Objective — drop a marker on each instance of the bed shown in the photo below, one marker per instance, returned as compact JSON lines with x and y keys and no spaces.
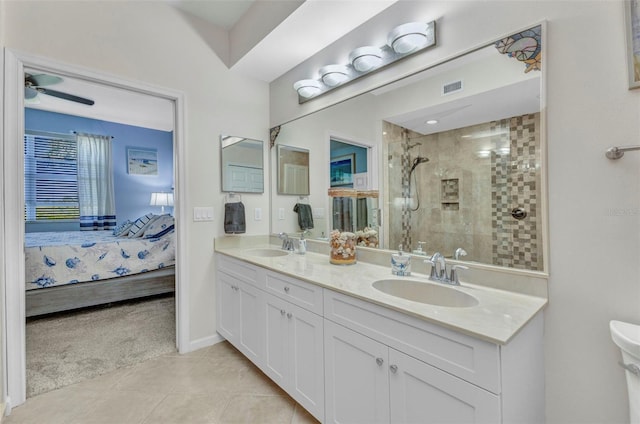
{"x":75,"y":269}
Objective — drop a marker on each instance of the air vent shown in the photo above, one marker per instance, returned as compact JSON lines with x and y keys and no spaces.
{"x":452,"y":87}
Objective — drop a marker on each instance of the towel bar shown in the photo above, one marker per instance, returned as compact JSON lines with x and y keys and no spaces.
{"x":615,"y":152}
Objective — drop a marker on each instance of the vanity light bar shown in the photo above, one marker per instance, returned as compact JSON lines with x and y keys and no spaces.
{"x":402,"y":41}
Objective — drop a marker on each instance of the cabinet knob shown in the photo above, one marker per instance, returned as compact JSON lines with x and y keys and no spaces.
{"x":286,"y":289}
{"x":282,"y":312}
{"x":379,"y":361}
{"x":289,"y":315}
{"x":393,"y":368}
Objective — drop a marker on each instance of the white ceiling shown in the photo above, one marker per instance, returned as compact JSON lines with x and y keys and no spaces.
{"x":309,"y":22}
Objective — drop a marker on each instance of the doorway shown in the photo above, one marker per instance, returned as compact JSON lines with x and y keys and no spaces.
{"x":14,"y":299}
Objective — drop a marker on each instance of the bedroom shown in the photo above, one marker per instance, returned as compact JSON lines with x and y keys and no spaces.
{"x":138,"y":263}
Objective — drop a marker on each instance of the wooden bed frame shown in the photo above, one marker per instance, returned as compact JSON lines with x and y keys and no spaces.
{"x":80,"y":295}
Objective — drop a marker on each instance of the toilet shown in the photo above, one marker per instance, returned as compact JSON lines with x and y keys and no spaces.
{"x":627,"y":337}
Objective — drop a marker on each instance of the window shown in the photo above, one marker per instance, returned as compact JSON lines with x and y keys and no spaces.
{"x":51,"y":177}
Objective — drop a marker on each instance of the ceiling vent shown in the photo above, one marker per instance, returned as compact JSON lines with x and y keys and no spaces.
{"x":452,"y":87}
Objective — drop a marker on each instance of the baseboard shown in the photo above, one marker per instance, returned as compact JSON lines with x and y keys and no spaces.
{"x":204,"y":342}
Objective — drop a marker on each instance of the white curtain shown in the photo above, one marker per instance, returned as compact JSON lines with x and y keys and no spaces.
{"x":95,"y":183}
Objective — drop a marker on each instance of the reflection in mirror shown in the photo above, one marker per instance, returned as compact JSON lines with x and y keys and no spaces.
{"x":293,"y":170}
{"x":241,"y":164}
{"x":461,"y":147}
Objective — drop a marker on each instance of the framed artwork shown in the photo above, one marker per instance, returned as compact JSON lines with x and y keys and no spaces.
{"x":632,"y":21}
{"x":142,"y":161}
{"x":342,"y":169}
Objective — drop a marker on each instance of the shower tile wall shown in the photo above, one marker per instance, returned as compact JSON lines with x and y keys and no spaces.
{"x":516,"y":184}
{"x":489,"y":186}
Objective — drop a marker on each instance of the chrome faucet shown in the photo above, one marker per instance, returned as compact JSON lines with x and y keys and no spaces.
{"x":440,"y":265}
{"x":439,"y":270}
{"x":287,"y":243}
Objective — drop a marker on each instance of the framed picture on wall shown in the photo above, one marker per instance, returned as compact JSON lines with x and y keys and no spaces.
{"x":142,"y":161}
{"x":632,"y":21}
{"x":342,"y":169}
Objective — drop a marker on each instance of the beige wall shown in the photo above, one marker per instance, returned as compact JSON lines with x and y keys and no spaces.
{"x":151,"y":42}
{"x":594,"y":203}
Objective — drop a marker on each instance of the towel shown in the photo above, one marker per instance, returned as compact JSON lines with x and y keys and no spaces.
{"x":305,"y":216}
{"x":234,"y":221}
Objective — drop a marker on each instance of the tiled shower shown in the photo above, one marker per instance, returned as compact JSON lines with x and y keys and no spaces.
{"x":480,"y":190}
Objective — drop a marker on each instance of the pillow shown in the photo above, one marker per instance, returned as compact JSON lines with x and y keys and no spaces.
{"x":122,"y":229}
{"x":139,"y":225}
{"x":164,"y":224}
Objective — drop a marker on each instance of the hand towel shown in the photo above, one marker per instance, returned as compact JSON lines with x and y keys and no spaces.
{"x":234,"y":220}
{"x":305,"y":216}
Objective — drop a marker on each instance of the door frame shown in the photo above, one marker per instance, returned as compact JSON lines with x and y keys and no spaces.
{"x":13,"y":280}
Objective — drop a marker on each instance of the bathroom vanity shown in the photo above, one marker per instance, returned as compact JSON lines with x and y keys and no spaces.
{"x":348,"y":352}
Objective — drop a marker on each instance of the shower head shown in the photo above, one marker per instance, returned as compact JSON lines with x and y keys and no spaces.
{"x":417,"y":161}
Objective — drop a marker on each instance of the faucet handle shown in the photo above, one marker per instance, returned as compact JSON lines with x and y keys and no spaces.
{"x":283,"y":236}
{"x":453,"y":277}
{"x":433,"y":275}
{"x":459,"y":252}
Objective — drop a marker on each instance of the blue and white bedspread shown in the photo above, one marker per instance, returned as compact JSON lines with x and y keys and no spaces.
{"x":55,"y":259}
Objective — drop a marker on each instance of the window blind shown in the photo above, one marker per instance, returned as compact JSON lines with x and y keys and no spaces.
{"x":51,"y":177}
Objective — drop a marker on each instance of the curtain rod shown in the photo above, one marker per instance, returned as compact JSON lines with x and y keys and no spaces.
{"x":76,"y":133}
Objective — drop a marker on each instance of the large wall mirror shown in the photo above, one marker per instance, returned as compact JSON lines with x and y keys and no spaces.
{"x":461,"y":161}
{"x":241,"y":164}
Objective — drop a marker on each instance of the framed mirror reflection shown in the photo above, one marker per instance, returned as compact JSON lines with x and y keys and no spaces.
{"x":461,"y":154}
{"x":241,"y":164}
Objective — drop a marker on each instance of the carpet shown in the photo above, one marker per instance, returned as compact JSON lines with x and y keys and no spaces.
{"x":67,"y":348}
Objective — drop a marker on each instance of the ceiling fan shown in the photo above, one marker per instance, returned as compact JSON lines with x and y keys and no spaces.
{"x":35,"y":84}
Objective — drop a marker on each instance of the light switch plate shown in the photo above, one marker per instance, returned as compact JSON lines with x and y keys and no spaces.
{"x":318,"y":212}
{"x":280,"y":214}
{"x":257,"y":214}
{"x":203,"y":214}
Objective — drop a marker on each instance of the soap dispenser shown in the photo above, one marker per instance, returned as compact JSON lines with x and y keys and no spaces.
{"x":302,"y":244}
{"x":400,"y":263}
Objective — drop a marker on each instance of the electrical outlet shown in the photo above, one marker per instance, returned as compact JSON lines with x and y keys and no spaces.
{"x":257,"y":214}
{"x":281,"y":214}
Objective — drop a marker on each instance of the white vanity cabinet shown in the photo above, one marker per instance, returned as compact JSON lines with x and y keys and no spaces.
{"x":294,"y":354}
{"x":276,"y":322}
{"x":349,"y":360}
{"x":367,"y":381}
{"x":241,"y":311}
{"x":385,"y":366}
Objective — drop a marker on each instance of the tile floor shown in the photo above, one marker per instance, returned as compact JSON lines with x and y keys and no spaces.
{"x":216,"y":385}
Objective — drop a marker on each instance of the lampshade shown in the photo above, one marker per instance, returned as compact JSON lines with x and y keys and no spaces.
{"x":307,"y":88}
{"x":366,"y":58}
{"x":161,"y":199}
{"x":408,"y":37}
{"x":333,"y":75}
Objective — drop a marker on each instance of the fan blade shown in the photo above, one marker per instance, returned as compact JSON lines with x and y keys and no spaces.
{"x":30,"y":93}
{"x":66,"y":96}
{"x":41,"y":80}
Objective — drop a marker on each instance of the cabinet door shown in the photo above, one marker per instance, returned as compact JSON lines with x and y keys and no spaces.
{"x":251,"y":341}
{"x":356,"y":377}
{"x":228,"y":308}
{"x":306,"y":358}
{"x":276,"y":337}
{"x":421,"y":393}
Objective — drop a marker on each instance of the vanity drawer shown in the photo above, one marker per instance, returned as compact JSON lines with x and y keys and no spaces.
{"x":471,"y":359}
{"x":301,"y":293}
{"x":239,"y":269}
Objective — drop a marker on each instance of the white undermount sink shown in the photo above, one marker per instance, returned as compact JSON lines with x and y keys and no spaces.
{"x":266,"y":252}
{"x":425,"y":292}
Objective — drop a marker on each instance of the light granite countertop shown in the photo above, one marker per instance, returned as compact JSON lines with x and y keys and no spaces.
{"x":497,"y":318}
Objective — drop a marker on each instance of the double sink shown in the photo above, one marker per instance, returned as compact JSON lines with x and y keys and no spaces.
{"x":420,"y":291}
